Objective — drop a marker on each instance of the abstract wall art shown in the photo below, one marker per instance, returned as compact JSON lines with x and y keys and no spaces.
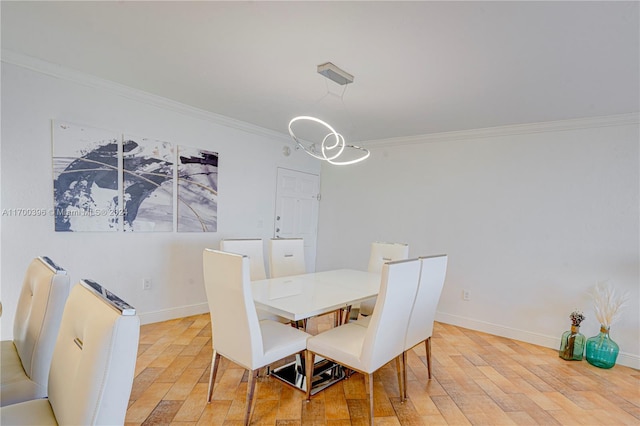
{"x":104,"y":181}
{"x":147,"y":184}
{"x":85,"y":178}
{"x":197,"y":190}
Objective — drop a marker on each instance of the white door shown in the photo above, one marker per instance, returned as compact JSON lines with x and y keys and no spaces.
{"x":297,"y":195}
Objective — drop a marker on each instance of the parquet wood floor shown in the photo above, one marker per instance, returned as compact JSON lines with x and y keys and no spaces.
{"x":478,"y":379}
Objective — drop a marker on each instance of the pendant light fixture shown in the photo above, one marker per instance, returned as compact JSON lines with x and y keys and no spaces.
{"x":333,"y":145}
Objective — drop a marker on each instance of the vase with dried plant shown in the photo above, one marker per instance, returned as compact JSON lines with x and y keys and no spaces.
{"x":572,"y":342}
{"x":601,"y":351}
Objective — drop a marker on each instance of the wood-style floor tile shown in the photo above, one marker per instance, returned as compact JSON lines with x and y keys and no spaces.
{"x":163,"y":413}
{"x":477,"y":379}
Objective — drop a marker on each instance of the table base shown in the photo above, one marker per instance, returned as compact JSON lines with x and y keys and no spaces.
{"x":325,"y":374}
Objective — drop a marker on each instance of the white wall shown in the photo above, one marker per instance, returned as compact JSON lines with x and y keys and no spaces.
{"x":530,"y":216}
{"x":119,"y":261}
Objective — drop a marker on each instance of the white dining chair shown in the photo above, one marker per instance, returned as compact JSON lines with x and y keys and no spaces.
{"x":24,"y":370}
{"x":237,"y":333}
{"x":381,"y":253}
{"x":286,"y":257}
{"x":423,"y":312}
{"x":253,"y":248}
{"x":366,"y":349}
{"x":92,"y":367}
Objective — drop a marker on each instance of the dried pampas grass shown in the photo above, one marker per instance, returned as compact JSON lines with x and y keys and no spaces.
{"x":607,"y":304}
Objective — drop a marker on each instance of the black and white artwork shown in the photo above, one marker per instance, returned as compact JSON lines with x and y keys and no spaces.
{"x":106,"y":182}
{"x":85,"y":178}
{"x":147,"y":184}
{"x":197,"y":190}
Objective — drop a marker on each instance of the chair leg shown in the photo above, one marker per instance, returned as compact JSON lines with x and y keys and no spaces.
{"x":400,"y":375}
{"x":404,"y":374}
{"x":215,"y":361}
{"x":251,"y":387}
{"x":309,"y":358}
{"x":427,"y":344}
{"x":347,"y":314}
{"x":370,"y":377}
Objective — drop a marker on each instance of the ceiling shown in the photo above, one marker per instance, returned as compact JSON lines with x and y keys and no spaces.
{"x":419,"y":67}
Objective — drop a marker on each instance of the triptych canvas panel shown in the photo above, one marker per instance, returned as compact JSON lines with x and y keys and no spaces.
{"x":147,"y":184}
{"x":106,"y":181}
{"x":197,"y":190}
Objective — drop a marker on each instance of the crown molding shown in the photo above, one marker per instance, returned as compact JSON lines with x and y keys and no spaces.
{"x":58,"y":71}
{"x":515,"y":129}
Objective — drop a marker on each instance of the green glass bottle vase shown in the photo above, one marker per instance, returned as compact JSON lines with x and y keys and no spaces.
{"x":601,"y":350}
{"x":572,"y":344}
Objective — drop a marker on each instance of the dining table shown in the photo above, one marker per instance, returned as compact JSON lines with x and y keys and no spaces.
{"x":299,"y":297}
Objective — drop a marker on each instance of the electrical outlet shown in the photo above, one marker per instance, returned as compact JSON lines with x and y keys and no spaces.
{"x":146,"y":283}
{"x":466,"y":295}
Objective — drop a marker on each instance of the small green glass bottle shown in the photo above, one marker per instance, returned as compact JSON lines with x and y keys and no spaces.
{"x":601,"y":350}
{"x":572,"y":344}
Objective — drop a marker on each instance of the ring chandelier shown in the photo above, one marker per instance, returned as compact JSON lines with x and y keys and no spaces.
{"x":332,"y":146}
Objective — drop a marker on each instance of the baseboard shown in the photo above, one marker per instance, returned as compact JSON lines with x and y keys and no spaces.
{"x":624,"y":358}
{"x":173,"y":313}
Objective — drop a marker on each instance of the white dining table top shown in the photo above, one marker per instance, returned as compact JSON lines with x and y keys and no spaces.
{"x":303,"y":296}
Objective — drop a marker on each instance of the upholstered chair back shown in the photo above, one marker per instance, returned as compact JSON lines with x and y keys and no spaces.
{"x":286,"y":257}
{"x":249,"y":247}
{"x":380,"y":254}
{"x":385,"y":336}
{"x":234,"y":321}
{"x":423,"y":312}
{"x":38,"y":313}
{"x":386,"y":252}
{"x":93,"y":362}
